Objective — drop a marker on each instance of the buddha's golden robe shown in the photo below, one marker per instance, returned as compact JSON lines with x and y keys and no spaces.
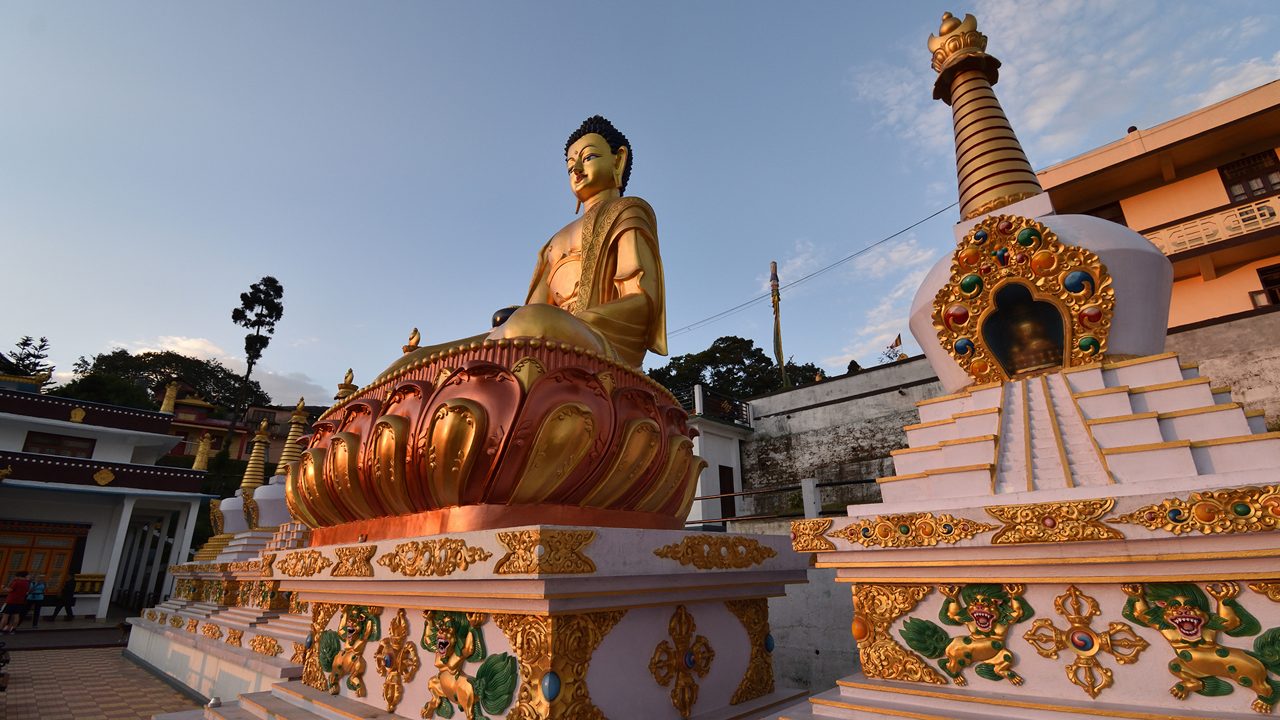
{"x":610,"y":279}
{"x":603,"y":290}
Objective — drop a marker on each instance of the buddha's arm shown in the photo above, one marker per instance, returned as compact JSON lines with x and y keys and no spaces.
{"x":540,"y":286}
{"x":626,"y":318}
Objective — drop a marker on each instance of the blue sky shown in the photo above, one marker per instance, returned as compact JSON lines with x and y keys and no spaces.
{"x":398,"y":164}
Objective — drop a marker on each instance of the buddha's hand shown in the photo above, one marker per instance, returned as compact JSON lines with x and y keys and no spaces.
{"x":501,"y":316}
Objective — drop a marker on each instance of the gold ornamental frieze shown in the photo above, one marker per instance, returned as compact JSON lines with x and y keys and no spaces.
{"x":299,"y":653}
{"x":211,"y":631}
{"x":908,"y":530}
{"x":1066,"y":521}
{"x":758,"y":679}
{"x":234,"y":637}
{"x":559,"y":644}
{"x":676,"y":663}
{"x":808,"y":535}
{"x":161,"y":618}
{"x":875,"y":608}
{"x":354,"y":561}
{"x":151,"y":615}
{"x":265,"y":566}
{"x":176,"y":621}
{"x":193,"y":624}
{"x":1224,"y":512}
{"x":245,"y":566}
{"x":397,"y":660}
{"x":265,"y":645}
{"x":717,"y":552}
{"x":1269,"y":588}
{"x":545,"y":552}
{"x":303,"y":563}
{"x":1068,"y":283}
{"x":433,"y":558}
{"x":1086,"y":670}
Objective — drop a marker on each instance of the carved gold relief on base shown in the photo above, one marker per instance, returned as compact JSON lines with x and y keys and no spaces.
{"x":211,"y":631}
{"x":1085,"y":671}
{"x":299,"y":653}
{"x":176,"y":621}
{"x":718,"y":552}
{"x":679,"y":660}
{"x":758,"y":680}
{"x":234,"y":637}
{"x":1068,"y":521}
{"x":562,"y":644}
{"x":193,"y":624}
{"x":561,"y":552}
{"x":435,"y":558}
{"x":396,"y":660}
{"x":875,"y":609}
{"x":1270,"y":588}
{"x":807,"y":535}
{"x":151,"y":615}
{"x":1226,"y":512}
{"x":265,"y":645}
{"x":359,"y":626}
{"x":921,"y":529}
{"x":312,"y":674}
{"x":354,"y":561}
{"x":303,"y":563}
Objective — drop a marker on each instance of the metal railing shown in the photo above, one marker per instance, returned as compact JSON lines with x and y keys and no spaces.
{"x":1217,"y":226}
{"x":811,"y":502}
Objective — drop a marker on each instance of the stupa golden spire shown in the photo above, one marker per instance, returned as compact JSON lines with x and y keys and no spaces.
{"x":255,"y":471}
{"x":170,"y":397}
{"x":202,"y":453}
{"x":297,"y":424}
{"x":991,"y":169}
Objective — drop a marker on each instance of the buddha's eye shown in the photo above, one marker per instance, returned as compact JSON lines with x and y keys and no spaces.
{"x":592,"y":156}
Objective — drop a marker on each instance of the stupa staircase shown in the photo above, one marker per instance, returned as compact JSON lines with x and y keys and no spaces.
{"x":1147,"y":418}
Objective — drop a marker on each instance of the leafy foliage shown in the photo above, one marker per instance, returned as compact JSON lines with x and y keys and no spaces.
{"x":109,"y":389}
{"x":925,"y":637}
{"x":732,"y":365}
{"x":260,"y":309}
{"x":149,"y":371}
{"x":496,"y":683}
{"x":31,"y":355}
{"x":330,"y":646}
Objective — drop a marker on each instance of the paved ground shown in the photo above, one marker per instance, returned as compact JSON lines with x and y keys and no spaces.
{"x":84,"y":684}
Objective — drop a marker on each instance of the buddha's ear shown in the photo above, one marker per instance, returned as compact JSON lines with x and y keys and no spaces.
{"x":620,"y":164}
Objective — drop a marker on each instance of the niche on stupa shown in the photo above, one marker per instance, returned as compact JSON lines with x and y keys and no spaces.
{"x":1024,"y":334}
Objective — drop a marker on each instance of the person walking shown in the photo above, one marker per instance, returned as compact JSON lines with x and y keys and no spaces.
{"x":35,"y":599}
{"x":66,"y":600}
{"x":15,"y":602}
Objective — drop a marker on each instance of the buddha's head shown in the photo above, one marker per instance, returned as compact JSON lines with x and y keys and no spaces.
{"x":598,"y":158}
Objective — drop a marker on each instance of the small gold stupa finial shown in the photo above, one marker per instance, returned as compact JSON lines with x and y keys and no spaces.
{"x":347,"y":386}
{"x":255,"y":473}
{"x":414,"y":339}
{"x":170,"y":397}
{"x":991,"y":169}
{"x":292,"y":452}
{"x":202,"y":453}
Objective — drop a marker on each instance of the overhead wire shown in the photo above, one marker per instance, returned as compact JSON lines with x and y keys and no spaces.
{"x":748,"y":303}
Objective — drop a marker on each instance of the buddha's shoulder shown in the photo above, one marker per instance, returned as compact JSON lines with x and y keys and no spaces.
{"x":630,"y":210}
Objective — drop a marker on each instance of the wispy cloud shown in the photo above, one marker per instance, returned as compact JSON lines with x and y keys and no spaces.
{"x":1233,"y":79}
{"x":894,"y":258}
{"x":196,"y":347}
{"x":883,"y":323}
{"x":804,"y":258}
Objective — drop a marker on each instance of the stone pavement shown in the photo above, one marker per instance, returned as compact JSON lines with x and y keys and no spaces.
{"x":84,"y":684}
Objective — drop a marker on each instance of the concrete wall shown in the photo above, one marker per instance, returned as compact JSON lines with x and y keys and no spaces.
{"x":1175,"y":201}
{"x":839,"y":429}
{"x":1196,"y":299}
{"x":1244,"y":354}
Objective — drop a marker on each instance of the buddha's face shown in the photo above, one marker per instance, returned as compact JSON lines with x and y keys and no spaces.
{"x":593,"y":166}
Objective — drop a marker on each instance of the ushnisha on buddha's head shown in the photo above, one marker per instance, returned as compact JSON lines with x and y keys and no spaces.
{"x":598,"y":157}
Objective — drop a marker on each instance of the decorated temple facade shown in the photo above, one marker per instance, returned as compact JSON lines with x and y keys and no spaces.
{"x":1082,"y":524}
{"x":83,"y":502}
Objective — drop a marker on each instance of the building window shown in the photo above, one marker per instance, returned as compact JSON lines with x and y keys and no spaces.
{"x":49,"y":444}
{"x":1252,"y":177}
{"x":1270,"y":293}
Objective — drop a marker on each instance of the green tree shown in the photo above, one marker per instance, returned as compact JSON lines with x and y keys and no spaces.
{"x":731,"y":365}
{"x":260,"y":309}
{"x":118,"y":376}
{"x":31,"y":356}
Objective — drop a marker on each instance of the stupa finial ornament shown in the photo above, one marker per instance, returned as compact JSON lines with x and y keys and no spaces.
{"x":414,"y":339}
{"x":347,"y":386}
{"x":991,"y":169}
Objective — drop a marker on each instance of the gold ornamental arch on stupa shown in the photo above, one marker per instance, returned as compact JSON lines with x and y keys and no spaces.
{"x":1008,"y":250}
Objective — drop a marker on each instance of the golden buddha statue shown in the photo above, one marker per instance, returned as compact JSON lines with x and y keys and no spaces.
{"x":1032,"y":348}
{"x":598,"y":280}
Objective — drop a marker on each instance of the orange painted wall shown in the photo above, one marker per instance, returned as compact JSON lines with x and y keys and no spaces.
{"x":1175,"y":201}
{"x":1194,"y":299}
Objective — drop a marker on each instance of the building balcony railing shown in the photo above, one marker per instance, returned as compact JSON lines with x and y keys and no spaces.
{"x":1217,"y":226}
{"x":81,"y":471}
{"x":701,"y":400}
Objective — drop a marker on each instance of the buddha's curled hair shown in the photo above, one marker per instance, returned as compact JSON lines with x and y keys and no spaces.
{"x":605,"y":129}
